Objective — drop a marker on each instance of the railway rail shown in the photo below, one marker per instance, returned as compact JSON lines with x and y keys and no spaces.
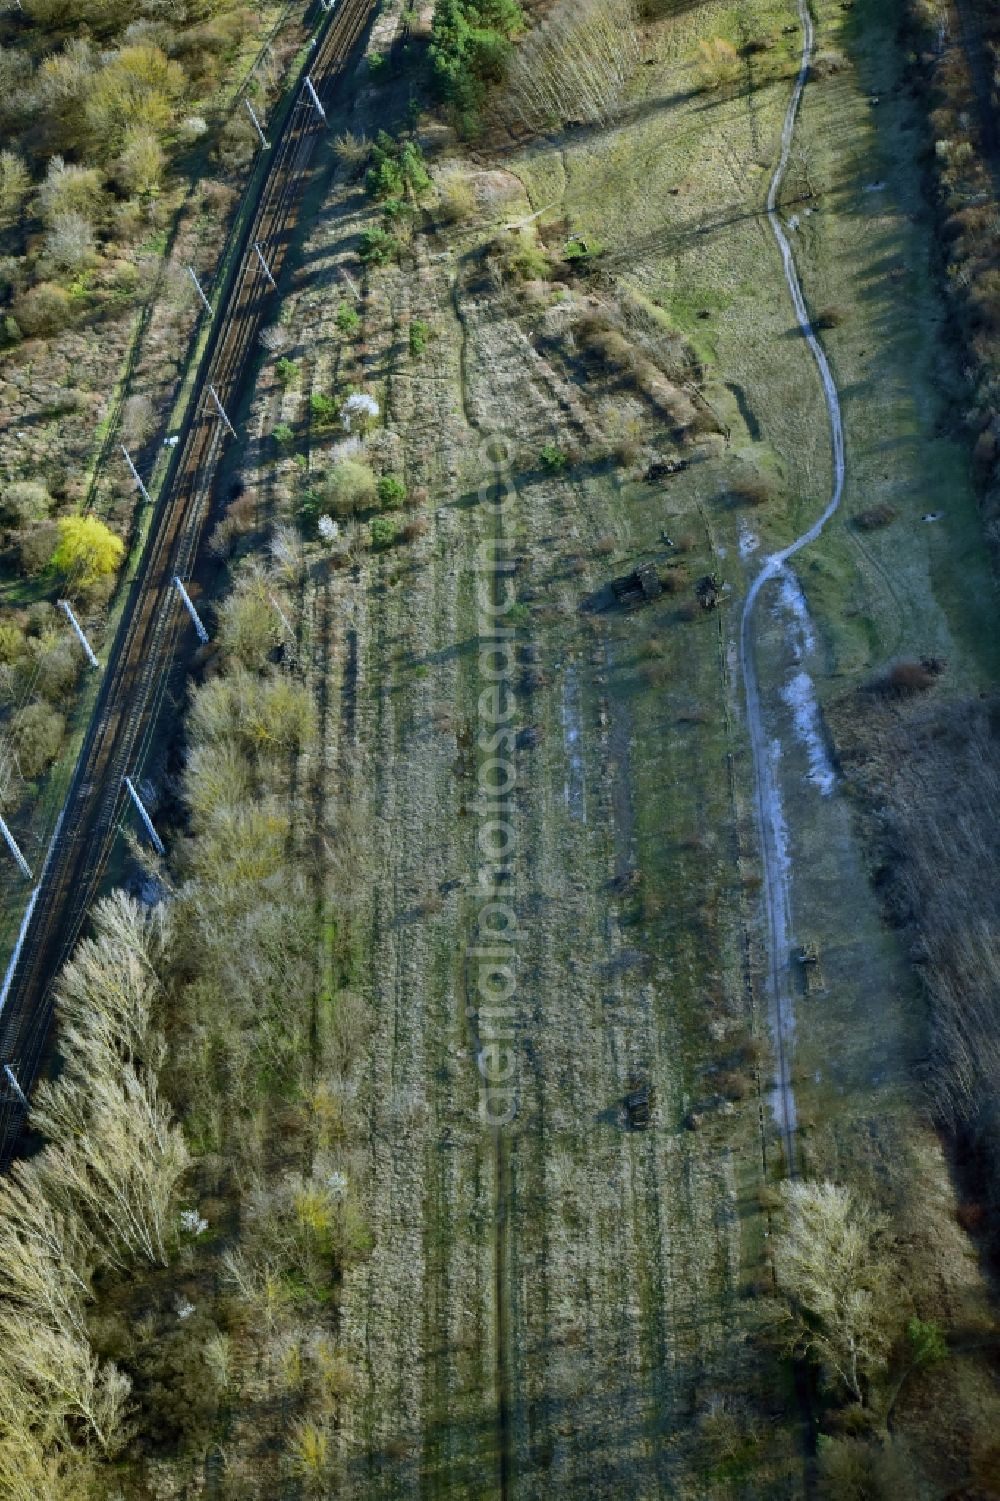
{"x":131,"y":697}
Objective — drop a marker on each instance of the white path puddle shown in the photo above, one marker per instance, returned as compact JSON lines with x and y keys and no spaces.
{"x":798,"y":691}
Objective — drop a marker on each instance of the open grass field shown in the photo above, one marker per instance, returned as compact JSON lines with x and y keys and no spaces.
{"x":550,"y":1302}
{"x":564,"y":1301}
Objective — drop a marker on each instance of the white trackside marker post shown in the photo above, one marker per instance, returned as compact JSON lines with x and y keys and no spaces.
{"x":135,"y":475}
{"x":220,"y":409}
{"x":189,"y":606}
{"x":157,"y":842}
{"x":260,"y":129}
{"x":263,"y":263}
{"x":12,"y":1081}
{"x":22,"y":863}
{"x":199,"y":290}
{"x":315,"y":99}
{"x":67,"y":610}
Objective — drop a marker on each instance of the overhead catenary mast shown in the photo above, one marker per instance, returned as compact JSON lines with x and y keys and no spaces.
{"x":67,"y":610}
{"x":315,"y":98}
{"x":263,"y":263}
{"x":135,"y":474}
{"x":189,"y":606}
{"x":12,"y":845}
{"x":12,"y":1081}
{"x":155,"y":839}
{"x":221,"y":409}
{"x":200,"y":290}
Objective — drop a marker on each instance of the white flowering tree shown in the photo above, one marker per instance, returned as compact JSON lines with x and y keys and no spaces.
{"x":359,"y":412}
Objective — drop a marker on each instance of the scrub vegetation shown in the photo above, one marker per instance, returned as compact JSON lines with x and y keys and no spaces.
{"x":125,"y":140}
{"x":269,"y":1245}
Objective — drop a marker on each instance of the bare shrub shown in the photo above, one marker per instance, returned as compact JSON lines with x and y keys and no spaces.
{"x":946,"y":773}
{"x":718,"y":63}
{"x":96,"y":1195}
{"x":704,"y":423}
{"x":15,"y":184}
{"x":56,"y":666}
{"x":733,"y":1084}
{"x":257,"y":713}
{"x":141,"y":163}
{"x":352,"y":150}
{"x":827,"y":62}
{"x":36,"y":734}
{"x":275,"y":338}
{"x":749,"y":492}
{"x":909,"y":676}
{"x":674,"y":403}
{"x":249,"y":625}
{"x":68,"y":190}
{"x":237,"y":142}
{"x":138,"y":419}
{"x":415,"y":529}
{"x":876,"y":516}
{"x":24,"y":501}
{"x":855,"y":1469}
{"x":43,"y":310}
{"x":456,"y":199}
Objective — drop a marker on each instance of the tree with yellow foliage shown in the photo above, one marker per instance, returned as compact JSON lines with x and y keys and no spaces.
{"x":87,"y":553}
{"x":137,"y":89}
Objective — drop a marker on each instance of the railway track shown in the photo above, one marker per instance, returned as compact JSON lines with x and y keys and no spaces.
{"x":131,"y":698}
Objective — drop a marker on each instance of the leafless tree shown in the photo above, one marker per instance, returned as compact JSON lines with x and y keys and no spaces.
{"x":834,"y":1264}
{"x":574,"y":65}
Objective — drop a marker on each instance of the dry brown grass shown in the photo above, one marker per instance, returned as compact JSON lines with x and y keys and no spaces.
{"x":749,"y":492}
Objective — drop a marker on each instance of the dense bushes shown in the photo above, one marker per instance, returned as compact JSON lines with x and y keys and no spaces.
{"x":261,"y":1031}
{"x":349,"y":487}
{"x":92,"y":109}
{"x":97,"y":1196}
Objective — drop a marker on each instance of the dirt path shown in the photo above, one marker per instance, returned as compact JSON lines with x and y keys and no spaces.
{"x":770,"y":820}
